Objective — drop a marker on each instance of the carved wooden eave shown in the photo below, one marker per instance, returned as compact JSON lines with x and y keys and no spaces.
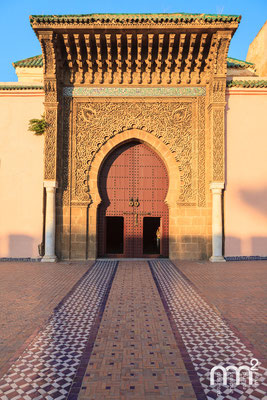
{"x":155,"y":49}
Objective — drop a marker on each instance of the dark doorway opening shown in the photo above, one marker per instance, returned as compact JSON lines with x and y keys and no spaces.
{"x":151,"y":244}
{"x":114,"y":235}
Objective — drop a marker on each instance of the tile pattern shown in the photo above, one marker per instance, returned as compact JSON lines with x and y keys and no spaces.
{"x":49,"y":366}
{"x":204,"y":336}
{"x":29,"y":292}
{"x":135,"y":355}
{"x":238,"y":290}
{"x":134,"y":92}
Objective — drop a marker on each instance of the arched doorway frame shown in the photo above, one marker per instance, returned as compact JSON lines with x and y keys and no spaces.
{"x":164,"y":153}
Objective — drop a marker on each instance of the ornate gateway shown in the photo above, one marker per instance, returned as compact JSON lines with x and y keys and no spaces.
{"x":158,"y":79}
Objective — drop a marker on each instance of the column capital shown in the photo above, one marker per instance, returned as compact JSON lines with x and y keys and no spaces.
{"x":216,"y":185}
{"x":50,"y":184}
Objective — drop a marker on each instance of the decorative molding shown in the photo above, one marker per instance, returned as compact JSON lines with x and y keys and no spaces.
{"x":66,"y":150}
{"x":47,"y":41}
{"x":216,"y":185}
{"x":50,"y":144}
{"x":51,"y":184}
{"x":218,"y":144}
{"x":201,"y":152}
{"x":189,"y":91}
{"x":96,"y":121}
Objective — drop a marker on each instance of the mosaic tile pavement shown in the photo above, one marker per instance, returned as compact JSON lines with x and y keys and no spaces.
{"x":133,"y":330}
{"x":205,"y":338}
{"x":29,"y":292}
{"x":53,"y":364}
{"x":238,"y":290}
{"x":135,"y":355}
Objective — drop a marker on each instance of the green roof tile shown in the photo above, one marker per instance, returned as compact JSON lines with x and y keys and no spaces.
{"x":235,"y":63}
{"x":32,"y":62}
{"x":247,"y":84}
{"x":21,"y":87}
{"x":130,"y":18}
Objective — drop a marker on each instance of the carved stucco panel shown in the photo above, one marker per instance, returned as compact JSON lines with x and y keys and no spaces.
{"x":218,"y":144}
{"x":50,"y":144}
{"x":95,"y":121}
{"x":201,"y":153}
{"x":66,"y":150}
{"x":48,"y":50}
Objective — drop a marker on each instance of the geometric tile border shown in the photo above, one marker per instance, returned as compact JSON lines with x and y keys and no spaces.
{"x":133,"y":92}
{"x":53,"y":365}
{"x":135,"y":354}
{"x":205,"y":339}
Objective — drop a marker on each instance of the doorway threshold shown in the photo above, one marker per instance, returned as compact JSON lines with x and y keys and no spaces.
{"x":131,"y":259}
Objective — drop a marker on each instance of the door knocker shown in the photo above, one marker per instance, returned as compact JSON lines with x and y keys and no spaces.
{"x":136,"y":203}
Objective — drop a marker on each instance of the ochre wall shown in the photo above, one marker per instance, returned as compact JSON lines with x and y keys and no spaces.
{"x":257,"y":52}
{"x":246,"y":173}
{"x":21,"y":176}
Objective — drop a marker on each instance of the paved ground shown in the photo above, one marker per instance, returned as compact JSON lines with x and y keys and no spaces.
{"x":28,"y":294}
{"x":131,"y":355}
{"x":238,"y":289}
{"x":135,"y":354}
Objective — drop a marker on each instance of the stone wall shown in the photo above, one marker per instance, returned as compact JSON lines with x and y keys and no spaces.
{"x":173,"y":127}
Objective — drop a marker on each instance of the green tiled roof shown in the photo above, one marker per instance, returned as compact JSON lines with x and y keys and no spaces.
{"x":132,"y":18}
{"x":247,"y":84}
{"x":21,"y":87}
{"x":235,"y":63}
{"x":37,"y":61}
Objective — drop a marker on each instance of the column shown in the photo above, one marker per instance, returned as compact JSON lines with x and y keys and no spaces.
{"x":216,"y":188}
{"x":50,"y":221}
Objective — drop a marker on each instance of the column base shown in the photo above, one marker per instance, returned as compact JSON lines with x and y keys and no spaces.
{"x":49,"y":259}
{"x":217,"y":259}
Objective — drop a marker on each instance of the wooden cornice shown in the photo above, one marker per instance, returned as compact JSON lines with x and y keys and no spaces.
{"x":139,"y":56}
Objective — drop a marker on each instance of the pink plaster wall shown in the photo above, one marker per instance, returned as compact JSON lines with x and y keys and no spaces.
{"x":246,"y":173}
{"x":21,"y":176}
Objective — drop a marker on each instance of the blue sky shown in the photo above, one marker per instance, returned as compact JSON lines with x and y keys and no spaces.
{"x":18,"y":40}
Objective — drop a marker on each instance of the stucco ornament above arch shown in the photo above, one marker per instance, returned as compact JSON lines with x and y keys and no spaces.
{"x":145,"y":137}
{"x":98,"y":121}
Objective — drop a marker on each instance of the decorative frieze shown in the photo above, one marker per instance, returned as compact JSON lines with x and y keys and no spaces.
{"x":190,"y":91}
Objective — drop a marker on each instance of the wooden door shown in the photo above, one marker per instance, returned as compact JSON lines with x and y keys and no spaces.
{"x":133,"y":185}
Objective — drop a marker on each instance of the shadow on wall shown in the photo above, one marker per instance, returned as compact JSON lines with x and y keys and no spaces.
{"x":248,"y":247}
{"x":246,"y":244}
{"x":257,"y":199}
{"x":259,"y":246}
{"x":20,"y":246}
{"x":232,"y":246}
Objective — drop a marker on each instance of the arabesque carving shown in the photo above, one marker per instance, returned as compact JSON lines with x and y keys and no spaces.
{"x":48,"y":49}
{"x":218,"y":145}
{"x":97,"y":121}
{"x":50,"y":144}
{"x":201,"y":153}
